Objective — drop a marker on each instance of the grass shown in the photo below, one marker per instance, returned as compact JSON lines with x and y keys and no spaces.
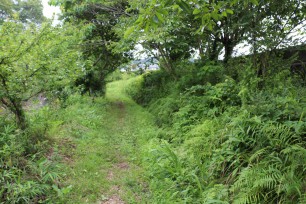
{"x":102,"y":145}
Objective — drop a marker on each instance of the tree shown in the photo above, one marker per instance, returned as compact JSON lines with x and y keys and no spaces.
{"x":24,"y":10}
{"x":6,"y":9}
{"x":252,"y":21}
{"x":164,"y":31}
{"x":34,"y":60}
{"x":222,"y":24}
{"x":30,"y":11}
{"x":274,"y":23}
{"x":99,"y":18}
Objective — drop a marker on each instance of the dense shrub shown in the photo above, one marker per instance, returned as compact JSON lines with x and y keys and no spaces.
{"x":191,"y":74}
{"x":226,"y":140}
{"x":154,"y":85}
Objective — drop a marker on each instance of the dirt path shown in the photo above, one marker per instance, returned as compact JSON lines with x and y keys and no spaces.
{"x":108,"y":136}
{"x":121,"y":167}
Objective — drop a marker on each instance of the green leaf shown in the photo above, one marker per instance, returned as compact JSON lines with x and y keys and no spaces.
{"x":215,"y":16}
{"x":230,"y":11}
{"x":196,"y":11}
{"x":160,"y":17}
{"x":184,"y":6}
{"x":129,"y":31}
{"x":254,"y":2}
{"x":209,"y":26}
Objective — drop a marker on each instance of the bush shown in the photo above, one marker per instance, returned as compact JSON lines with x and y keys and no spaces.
{"x":226,"y":140}
{"x":154,"y":85}
{"x":134,"y":87}
{"x":193,"y":75}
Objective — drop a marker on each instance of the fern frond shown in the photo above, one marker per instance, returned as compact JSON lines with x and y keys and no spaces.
{"x":257,"y":154}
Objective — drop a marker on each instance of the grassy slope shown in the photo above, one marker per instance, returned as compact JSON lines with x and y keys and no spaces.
{"x":108,"y":135}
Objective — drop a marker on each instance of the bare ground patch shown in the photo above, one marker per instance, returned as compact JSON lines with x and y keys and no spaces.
{"x":113,"y":200}
{"x":114,"y":173}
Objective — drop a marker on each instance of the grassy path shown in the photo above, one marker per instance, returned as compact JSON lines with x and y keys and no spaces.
{"x":106,"y":137}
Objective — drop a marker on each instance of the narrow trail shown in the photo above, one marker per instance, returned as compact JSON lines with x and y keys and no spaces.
{"x":105,"y":165}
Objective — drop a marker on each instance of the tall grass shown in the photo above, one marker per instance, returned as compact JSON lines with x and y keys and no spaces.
{"x":29,"y":165}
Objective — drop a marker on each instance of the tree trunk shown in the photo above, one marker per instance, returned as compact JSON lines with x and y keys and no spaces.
{"x":229,"y":48}
{"x":20,"y":118}
{"x":15,"y":107}
{"x":213,"y":55}
{"x":200,"y":48}
{"x":167,"y":62}
{"x":19,"y":114}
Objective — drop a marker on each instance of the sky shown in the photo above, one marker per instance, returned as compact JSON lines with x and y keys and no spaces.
{"x":50,"y":10}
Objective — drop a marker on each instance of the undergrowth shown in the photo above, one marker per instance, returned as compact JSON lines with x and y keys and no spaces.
{"x":229,"y":138}
{"x":29,"y":161}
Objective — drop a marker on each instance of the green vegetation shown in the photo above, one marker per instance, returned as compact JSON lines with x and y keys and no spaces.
{"x":29,"y":168}
{"x":109,"y":135}
{"x":226,"y":141}
{"x":74,"y":128}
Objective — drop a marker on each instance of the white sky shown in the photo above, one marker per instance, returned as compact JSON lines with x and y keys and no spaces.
{"x":50,"y":10}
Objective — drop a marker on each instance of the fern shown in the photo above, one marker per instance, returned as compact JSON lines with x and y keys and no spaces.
{"x":273,"y":171}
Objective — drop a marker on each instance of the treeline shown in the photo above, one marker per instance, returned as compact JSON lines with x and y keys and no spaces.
{"x":174,"y":30}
